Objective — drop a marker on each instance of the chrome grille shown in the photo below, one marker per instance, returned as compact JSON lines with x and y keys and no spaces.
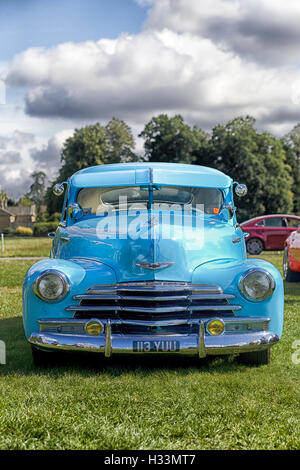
{"x":153,"y":301}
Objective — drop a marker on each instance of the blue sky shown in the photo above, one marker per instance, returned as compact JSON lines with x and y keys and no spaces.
{"x":45,"y":23}
{"x":66,"y":64}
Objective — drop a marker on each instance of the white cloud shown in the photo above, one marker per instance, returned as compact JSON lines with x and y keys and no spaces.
{"x":209,"y":61}
{"x":48,"y":157}
{"x":15,"y":162}
{"x":265,"y":31}
{"x":21,"y":154}
{"x":136,"y":77}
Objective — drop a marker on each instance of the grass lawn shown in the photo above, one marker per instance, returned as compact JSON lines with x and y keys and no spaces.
{"x":95,"y":404}
{"x":35,"y":247}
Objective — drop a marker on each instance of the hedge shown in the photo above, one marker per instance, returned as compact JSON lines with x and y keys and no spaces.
{"x":24,"y":231}
{"x":43,"y":228}
{"x":9,"y":232}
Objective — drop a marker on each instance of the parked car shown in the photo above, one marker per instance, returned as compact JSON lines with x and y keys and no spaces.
{"x":268,"y":232}
{"x":291,"y":258}
{"x":149,"y":259}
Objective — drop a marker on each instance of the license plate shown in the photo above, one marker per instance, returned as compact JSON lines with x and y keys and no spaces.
{"x":156,"y":346}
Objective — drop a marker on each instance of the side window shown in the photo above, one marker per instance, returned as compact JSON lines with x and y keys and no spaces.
{"x":293,"y":222}
{"x":261,"y":223}
{"x":275,"y":222}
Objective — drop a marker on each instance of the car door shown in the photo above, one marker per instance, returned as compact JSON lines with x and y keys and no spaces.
{"x":276,"y":232}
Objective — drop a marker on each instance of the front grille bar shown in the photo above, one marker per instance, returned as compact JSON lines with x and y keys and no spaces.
{"x":156,"y":287}
{"x":196,"y":308}
{"x":46,"y":324}
{"x":154,"y":298}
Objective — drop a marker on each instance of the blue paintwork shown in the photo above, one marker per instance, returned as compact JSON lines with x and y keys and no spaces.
{"x":87,"y":260}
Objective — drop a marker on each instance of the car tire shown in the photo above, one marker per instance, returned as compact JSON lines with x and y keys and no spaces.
{"x":257,"y":358}
{"x":254,"y":246}
{"x":41,"y":358}
{"x":288,"y":274}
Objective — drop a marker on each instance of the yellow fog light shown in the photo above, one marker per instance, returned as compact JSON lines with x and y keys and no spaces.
{"x":94,"y":328}
{"x":215,"y":327}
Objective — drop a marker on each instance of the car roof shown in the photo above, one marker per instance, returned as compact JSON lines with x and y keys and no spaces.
{"x":270,"y":216}
{"x":131,"y":174}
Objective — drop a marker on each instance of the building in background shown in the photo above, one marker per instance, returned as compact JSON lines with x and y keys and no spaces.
{"x":7,"y":219}
{"x":24,"y":216}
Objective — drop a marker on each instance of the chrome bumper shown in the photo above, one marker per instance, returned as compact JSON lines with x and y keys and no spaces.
{"x":200,"y":345}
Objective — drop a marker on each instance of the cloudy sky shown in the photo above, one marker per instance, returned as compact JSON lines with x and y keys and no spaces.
{"x":68,"y":63}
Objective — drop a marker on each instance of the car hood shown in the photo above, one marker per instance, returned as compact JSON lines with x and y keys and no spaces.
{"x":154,"y":251}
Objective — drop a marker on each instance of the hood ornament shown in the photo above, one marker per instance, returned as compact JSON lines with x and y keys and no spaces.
{"x":153,"y":266}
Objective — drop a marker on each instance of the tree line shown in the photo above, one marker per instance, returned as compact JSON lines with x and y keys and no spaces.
{"x":270,"y":166}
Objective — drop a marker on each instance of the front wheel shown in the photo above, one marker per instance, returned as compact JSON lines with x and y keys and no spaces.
{"x":288,"y":274}
{"x":254,"y":246}
{"x":258,"y":358}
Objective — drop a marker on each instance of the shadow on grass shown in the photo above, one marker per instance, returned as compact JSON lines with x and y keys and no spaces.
{"x":19,"y":360}
{"x":292,"y":288}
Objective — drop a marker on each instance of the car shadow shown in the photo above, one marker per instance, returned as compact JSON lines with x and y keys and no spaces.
{"x":292,"y":288}
{"x":19,"y":360}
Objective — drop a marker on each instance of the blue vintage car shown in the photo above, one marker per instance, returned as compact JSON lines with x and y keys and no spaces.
{"x":149,"y":259}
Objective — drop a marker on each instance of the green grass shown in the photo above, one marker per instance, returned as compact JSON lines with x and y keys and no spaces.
{"x":90,"y":403}
{"x":27,"y":247}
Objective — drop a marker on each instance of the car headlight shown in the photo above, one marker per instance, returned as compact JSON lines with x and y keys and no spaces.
{"x":51,"y":286}
{"x":257,"y":285}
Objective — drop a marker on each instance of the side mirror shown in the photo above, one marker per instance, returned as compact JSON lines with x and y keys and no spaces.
{"x":229,"y":210}
{"x":241,"y":190}
{"x":58,"y":189}
{"x":74,"y":211}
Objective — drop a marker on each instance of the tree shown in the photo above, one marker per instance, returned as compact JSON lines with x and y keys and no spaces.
{"x":86,"y":147}
{"x":291,"y":144}
{"x":37,"y":190}
{"x":89,"y":146}
{"x":25,"y":201}
{"x":259,"y":160}
{"x":171,"y":140}
{"x":119,"y":142}
{"x":3,"y":200}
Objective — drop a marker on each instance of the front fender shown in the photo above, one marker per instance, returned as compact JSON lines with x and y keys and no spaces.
{"x":81,"y":273}
{"x":227,"y":273}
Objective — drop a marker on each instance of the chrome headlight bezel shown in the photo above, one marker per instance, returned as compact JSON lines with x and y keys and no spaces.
{"x":63,"y":279}
{"x":271,"y":280}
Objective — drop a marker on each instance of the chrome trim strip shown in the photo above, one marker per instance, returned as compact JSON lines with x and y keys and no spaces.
{"x":87,"y":308}
{"x":211,"y":296}
{"x":153,"y":298}
{"x":152,"y":286}
{"x":203,"y":308}
{"x":228,"y":321}
{"x":194,"y":308}
{"x":96,"y":297}
{"x":193,"y":345}
{"x":117,"y":308}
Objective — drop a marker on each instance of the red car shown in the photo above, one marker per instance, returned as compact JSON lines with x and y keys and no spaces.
{"x":291,"y":259}
{"x":269,"y":232}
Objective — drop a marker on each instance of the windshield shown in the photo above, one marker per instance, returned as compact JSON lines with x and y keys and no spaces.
{"x":99,"y":200}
